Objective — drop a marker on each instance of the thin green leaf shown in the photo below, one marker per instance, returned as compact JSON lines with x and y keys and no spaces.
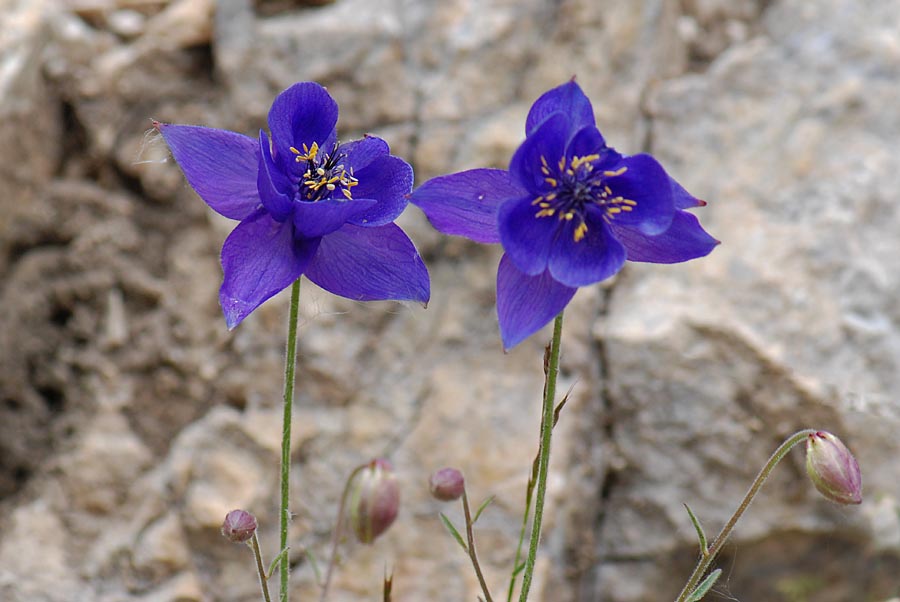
{"x":519,"y":569}
{"x":704,"y":547}
{"x":454,"y":532}
{"x":704,"y":587}
{"x":274,"y":562}
{"x":481,"y":508}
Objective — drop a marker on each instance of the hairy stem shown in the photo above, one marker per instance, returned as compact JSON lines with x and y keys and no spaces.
{"x":338,"y":526}
{"x":470,"y":536}
{"x":263,"y":578}
{"x":290,"y":365}
{"x":544,"y":460}
{"x":518,"y":558}
{"x":709,"y":555}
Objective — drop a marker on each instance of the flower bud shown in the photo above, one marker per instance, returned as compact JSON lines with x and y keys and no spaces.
{"x":374,"y":500}
{"x":833,"y":469}
{"x":447,"y":484}
{"x":239,"y":526}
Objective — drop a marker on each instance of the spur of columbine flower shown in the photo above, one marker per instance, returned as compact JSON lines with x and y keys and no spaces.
{"x":568,"y":213}
{"x":306,"y":203}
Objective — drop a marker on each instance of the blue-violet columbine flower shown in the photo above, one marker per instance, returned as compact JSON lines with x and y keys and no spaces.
{"x":568,"y":213}
{"x":306,"y":204}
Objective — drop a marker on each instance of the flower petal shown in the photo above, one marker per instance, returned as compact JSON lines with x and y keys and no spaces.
{"x":313,"y":220}
{"x":526,"y":238}
{"x":684,"y":240}
{"x":645,"y":182}
{"x":587,"y":141}
{"x":388,"y":180}
{"x":369,"y":264}
{"x":359,"y":153}
{"x":302,"y":114}
{"x":271,"y":182}
{"x":466,"y":203}
{"x":593,"y":258}
{"x":259,"y":258}
{"x":546,"y":144}
{"x":567,"y":99}
{"x":683,"y":199}
{"x":220,"y":165}
{"x":526,"y":303}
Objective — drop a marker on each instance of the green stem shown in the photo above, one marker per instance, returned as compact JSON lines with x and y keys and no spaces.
{"x":473,"y":555}
{"x":290,"y":364}
{"x":544,"y":462}
{"x":263,"y":583}
{"x":338,"y":526}
{"x":518,"y":558}
{"x":709,"y":555}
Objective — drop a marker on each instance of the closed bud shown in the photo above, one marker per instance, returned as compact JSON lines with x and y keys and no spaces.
{"x":447,"y":484}
{"x":374,"y":500}
{"x":239,"y":526}
{"x":833,"y":469}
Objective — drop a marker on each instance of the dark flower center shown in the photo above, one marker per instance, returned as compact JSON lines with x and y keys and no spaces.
{"x":324,"y":173}
{"x":575,"y":188}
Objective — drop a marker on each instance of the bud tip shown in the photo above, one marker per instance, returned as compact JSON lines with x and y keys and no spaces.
{"x":833,"y":469}
{"x":239,"y":526}
{"x":447,"y":484}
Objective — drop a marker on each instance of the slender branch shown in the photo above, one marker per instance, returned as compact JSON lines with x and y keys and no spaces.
{"x":544,"y":463}
{"x":336,"y":536}
{"x":708,"y":556}
{"x":290,"y":364}
{"x":263,"y":578}
{"x":470,"y":535}
{"x":518,"y":558}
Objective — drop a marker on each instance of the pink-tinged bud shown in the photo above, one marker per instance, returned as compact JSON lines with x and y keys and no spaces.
{"x":833,"y":469}
{"x":447,"y":484}
{"x":239,"y":526}
{"x":374,"y":500}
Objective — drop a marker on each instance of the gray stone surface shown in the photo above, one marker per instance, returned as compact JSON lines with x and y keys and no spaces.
{"x":131,"y":421}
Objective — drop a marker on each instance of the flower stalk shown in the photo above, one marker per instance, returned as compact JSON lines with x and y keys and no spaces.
{"x":708,"y":555}
{"x":336,"y":536}
{"x":473,"y":555}
{"x":260,"y":569}
{"x":290,"y":365}
{"x":373,"y":494}
{"x":544,"y":458}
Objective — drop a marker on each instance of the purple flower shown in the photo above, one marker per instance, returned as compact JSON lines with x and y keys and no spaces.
{"x":306,"y":203}
{"x":568,"y":213}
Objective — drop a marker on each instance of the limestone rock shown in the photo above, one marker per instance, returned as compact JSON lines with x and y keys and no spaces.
{"x":131,"y":420}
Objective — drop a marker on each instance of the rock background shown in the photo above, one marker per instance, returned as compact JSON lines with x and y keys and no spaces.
{"x":131,"y":421}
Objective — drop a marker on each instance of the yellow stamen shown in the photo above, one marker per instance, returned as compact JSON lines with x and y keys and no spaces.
{"x":580,"y":231}
{"x":308,"y":154}
{"x":579,"y":161}
{"x":618,"y":172}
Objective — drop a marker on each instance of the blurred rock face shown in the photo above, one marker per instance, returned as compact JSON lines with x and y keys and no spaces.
{"x":131,"y":421}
